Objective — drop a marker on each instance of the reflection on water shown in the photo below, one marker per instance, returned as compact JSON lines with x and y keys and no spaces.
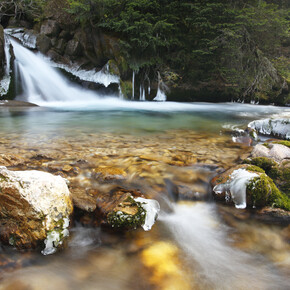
{"x":168,"y":154}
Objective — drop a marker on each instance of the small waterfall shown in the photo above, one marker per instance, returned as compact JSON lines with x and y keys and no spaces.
{"x":160,"y":96}
{"x":40,"y":82}
{"x":5,"y":82}
{"x":203,"y":238}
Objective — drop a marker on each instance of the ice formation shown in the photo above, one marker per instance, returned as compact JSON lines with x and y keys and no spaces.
{"x":152,"y":209}
{"x":277,"y":127}
{"x":236,"y":186}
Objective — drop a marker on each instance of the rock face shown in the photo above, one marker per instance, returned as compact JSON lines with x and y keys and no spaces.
{"x":2,"y":54}
{"x":34,"y":206}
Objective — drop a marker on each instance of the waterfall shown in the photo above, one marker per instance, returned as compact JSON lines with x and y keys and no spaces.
{"x":5,"y":82}
{"x":204,"y":241}
{"x":40,"y":82}
{"x":142,"y":94}
{"x":160,"y":96}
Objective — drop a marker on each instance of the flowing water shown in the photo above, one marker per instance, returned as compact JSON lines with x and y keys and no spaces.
{"x":157,"y":147}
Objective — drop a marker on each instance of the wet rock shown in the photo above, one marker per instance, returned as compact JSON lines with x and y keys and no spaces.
{"x":2,"y":53}
{"x":61,"y":45}
{"x":50,"y":28}
{"x":104,"y":174}
{"x":249,"y":186}
{"x":34,"y":206}
{"x":12,"y":103}
{"x":272,"y":127}
{"x":278,"y":152}
{"x":43,"y":43}
{"x":10,"y":160}
{"x":73,"y":48}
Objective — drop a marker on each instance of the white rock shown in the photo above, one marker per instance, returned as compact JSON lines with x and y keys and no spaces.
{"x":45,"y":204}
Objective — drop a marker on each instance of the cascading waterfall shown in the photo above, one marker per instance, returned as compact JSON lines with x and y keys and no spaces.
{"x":5,"y":82}
{"x":203,"y":239}
{"x":42,"y":83}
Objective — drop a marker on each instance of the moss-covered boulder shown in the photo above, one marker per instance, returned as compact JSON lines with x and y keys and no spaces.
{"x":248,"y":186}
{"x":35,"y":206}
{"x":279,"y":172}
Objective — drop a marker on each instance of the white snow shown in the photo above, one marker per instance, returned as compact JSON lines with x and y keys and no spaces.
{"x":152,"y":209}
{"x":237,"y":186}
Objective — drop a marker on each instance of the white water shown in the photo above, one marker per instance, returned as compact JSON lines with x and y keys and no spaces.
{"x":160,"y":96}
{"x":42,"y":83}
{"x":5,"y":82}
{"x":203,"y":239}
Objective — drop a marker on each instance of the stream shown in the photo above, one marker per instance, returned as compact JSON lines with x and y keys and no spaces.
{"x":157,"y":147}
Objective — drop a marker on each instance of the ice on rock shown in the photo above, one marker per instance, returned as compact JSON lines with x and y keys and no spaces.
{"x":152,"y":209}
{"x":237,"y":186}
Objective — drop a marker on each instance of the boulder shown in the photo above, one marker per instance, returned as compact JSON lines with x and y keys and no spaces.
{"x":50,"y":28}
{"x":248,"y":186}
{"x":73,"y":48}
{"x":118,"y":208}
{"x":35,"y":206}
{"x":43,"y":43}
{"x":277,"y":152}
{"x":279,"y":127}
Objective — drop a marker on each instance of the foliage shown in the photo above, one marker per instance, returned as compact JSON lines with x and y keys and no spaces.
{"x":30,"y":9}
{"x":198,"y":38}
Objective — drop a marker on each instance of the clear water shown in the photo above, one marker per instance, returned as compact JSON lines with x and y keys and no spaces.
{"x":193,"y":245}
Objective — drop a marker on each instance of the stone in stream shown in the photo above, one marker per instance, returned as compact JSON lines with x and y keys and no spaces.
{"x":119,"y":208}
{"x":249,"y":186}
{"x":35,"y":206}
{"x":279,"y":127}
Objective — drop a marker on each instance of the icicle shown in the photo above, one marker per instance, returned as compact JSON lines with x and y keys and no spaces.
{"x":133,"y":85}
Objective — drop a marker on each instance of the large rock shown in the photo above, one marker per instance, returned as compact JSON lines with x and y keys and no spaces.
{"x":73,"y":48}
{"x":43,"y":43}
{"x":249,"y":186}
{"x":34,"y":206}
{"x":279,"y":127}
{"x":2,"y":53}
{"x":50,"y":28}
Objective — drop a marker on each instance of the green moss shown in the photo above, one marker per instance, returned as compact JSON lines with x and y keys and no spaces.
{"x":283,"y":142}
{"x":121,"y":219}
{"x":3,"y":178}
{"x":263,"y":162}
{"x":262,"y":191}
{"x":255,"y":168}
{"x":266,"y":145}
{"x":126,"y":88}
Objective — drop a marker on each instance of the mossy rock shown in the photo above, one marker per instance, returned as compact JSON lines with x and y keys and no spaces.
{"x":126,"y":88}
{"x":279,"y":173}
{"x":129,"y":215}
{"x":263,"y":162}
{"x":283,"y":142}
{"x":262,"y":191}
